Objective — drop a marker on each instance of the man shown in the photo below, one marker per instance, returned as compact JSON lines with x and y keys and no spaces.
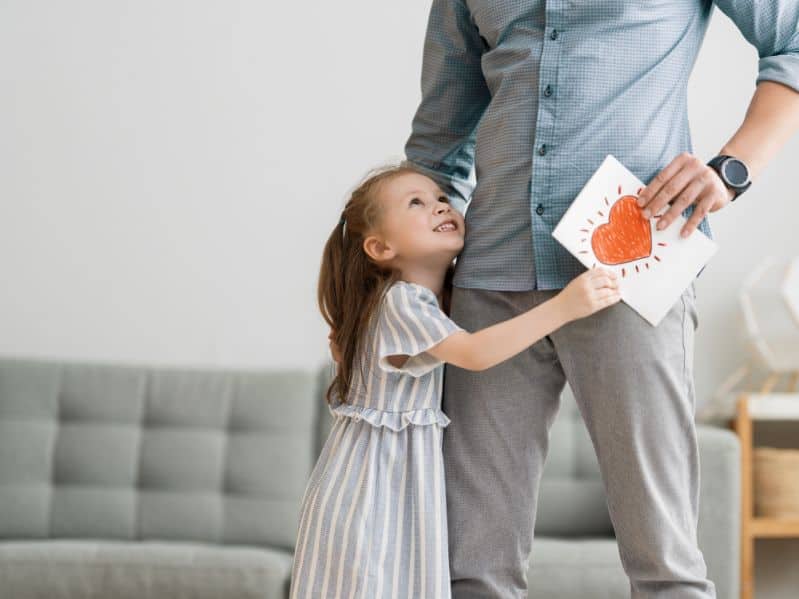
{"x":534,"y":94}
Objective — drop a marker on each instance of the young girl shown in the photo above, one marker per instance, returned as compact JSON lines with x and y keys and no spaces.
{"x":372,"y":521}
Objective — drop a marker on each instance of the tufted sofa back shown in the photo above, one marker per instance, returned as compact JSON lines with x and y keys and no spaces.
{"x":133,"y":452}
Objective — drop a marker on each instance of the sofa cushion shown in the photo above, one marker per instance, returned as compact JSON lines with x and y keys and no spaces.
{"x":127,"y":452}
{"x":576,"y":568}
{"x":61,"y":569}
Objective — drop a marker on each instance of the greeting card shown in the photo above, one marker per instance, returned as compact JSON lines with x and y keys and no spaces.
{"x":604,"y":226}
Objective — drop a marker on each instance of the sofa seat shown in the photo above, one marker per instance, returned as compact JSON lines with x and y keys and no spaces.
{"x":61,"y":569}
{"x":574,"y":568}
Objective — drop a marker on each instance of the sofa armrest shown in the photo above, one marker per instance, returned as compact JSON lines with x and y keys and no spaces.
{"x":719,"y":528}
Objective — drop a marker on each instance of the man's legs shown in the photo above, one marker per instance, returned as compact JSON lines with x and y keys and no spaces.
{"x":494,"y":450}
{"x":633,"y":384}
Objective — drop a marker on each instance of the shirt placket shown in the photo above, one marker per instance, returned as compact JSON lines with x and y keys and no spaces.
{"x":545,"y":150}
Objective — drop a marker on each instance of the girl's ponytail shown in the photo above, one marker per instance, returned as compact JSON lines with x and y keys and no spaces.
{"x":331,"y":280}
{"x":351,"y":285}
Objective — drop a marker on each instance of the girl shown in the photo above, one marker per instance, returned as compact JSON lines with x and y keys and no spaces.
{"x":372,"y":521}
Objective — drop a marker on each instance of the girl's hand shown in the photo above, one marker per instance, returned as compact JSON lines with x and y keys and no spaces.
{"x":334,"y":351}
{"x":589,"y":292}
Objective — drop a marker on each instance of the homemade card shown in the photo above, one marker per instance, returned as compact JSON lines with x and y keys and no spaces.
{"x":604,"y":227}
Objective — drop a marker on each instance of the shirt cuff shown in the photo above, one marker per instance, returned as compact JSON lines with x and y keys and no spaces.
{"x":783,"y":68}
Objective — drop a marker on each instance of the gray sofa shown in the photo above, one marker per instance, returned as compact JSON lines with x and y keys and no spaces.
{"x":122,"y":481}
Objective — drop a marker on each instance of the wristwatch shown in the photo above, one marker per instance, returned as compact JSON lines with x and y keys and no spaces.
{"x":733,"y":172}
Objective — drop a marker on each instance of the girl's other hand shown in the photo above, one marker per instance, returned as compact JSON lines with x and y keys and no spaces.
{"x":589,"y":292}
{"x":334,"y":351}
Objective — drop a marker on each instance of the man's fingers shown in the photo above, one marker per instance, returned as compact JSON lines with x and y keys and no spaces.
{"x":685,"y":199}
{"x":668,"y":192}
{"x":701,"y":209}
{"x":660,"y":179}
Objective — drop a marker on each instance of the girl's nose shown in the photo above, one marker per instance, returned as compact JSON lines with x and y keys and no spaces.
{"x":441,"y":207}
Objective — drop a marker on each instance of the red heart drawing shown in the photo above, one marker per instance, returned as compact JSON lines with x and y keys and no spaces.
{"x":627,"y":235}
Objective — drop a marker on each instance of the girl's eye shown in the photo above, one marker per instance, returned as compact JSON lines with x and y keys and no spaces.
{"x":444,"y":199}
{"x":416,"y":200}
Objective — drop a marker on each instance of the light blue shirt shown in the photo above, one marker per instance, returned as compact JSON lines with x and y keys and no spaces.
{"x":535,"y":93}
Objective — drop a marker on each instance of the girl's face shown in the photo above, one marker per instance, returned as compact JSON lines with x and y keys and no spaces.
{"x":417,"y":221}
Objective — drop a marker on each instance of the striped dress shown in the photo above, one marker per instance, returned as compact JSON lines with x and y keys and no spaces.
{"x":373,"y":520}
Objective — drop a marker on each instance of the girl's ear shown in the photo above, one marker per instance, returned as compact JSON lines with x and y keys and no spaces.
{"x":377,"y":249}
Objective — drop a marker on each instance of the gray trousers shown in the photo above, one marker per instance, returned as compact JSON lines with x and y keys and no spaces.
{"x":633,"y":384}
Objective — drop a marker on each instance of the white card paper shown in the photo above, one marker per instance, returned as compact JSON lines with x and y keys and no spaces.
{"x":604,"y":227}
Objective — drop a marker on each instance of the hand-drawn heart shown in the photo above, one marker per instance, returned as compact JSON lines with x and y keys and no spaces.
{"x":627,"y":235}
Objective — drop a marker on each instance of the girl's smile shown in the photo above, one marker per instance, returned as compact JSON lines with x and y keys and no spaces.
{"x":447,"y":226}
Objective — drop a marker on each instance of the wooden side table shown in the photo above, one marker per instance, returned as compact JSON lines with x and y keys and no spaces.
{"x":752,"y":407}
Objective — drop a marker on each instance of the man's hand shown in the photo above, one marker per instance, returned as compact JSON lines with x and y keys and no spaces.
{"x":685,"y":181}
{"x":334,"y":351}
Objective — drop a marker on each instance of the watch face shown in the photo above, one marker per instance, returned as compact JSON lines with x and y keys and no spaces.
{"x":735,"y":171}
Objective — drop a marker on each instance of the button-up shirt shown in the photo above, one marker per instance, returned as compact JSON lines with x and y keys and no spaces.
{"x":523,"y":99}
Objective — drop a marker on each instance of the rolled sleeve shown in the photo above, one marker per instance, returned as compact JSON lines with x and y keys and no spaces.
{"x":454,"y":98}
{"x":771,"y":26}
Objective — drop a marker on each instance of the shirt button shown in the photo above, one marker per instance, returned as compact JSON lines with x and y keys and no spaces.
{"x":554,"y":34}
{"x":539,"y":209}
{"x":542,"y":149}
{"x":548,"y":90}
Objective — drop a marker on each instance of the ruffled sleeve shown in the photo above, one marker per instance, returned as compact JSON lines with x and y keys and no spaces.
{"x":411,"y":322}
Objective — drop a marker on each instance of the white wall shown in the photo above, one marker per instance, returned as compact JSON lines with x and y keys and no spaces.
{"x":169,"y":172}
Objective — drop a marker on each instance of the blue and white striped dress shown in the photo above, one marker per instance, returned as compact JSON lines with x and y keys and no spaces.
{"x":373,"y":520}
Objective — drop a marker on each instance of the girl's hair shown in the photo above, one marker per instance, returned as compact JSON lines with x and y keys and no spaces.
{"x":351,"y":286}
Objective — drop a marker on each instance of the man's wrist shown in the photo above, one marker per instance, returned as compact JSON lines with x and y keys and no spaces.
{"x":734,"y":173}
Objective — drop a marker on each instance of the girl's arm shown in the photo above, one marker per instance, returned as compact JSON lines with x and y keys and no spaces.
{"x":589,"y":292}
{"x":490,"y":346}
